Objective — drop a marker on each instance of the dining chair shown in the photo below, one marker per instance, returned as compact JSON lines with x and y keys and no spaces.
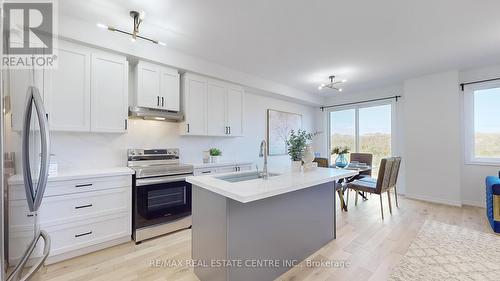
{"x":366,"y":158}
{"x":322,"y":162}
{"x":387,"y":179}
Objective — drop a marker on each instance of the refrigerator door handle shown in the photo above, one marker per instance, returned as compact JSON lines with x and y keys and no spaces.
{"x":14,"y":276}
{"x":34,"y":197}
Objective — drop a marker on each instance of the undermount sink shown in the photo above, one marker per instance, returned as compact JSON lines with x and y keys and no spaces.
{"x":244,"y":176}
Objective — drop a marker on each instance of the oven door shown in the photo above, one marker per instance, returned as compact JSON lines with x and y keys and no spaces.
{"x":161,"y":200}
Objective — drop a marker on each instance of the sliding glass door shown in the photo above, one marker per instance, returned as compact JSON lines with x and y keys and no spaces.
{"x":363,"y":128}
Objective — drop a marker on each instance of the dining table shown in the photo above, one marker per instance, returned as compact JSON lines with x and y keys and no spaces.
{"x":342,"y":183}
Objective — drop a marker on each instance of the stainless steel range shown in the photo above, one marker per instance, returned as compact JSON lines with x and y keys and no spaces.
{"x":161,"y":196}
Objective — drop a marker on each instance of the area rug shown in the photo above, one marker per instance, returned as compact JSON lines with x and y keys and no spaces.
{"x":447,"y":252}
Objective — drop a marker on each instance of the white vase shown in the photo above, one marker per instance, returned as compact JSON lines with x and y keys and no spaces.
{"x":308,"y":155}
{"x":296,"y":166}
{"x":215,"y":159}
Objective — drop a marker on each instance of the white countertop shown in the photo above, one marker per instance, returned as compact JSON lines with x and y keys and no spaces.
{"x":220,"y":164}
{"x":252,"y":190}
{"x":79,"y":174}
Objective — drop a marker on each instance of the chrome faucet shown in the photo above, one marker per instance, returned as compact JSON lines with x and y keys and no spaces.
{"x":263,"y":153}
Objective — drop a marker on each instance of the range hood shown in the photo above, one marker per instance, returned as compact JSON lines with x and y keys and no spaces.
{"x":155,"y":114}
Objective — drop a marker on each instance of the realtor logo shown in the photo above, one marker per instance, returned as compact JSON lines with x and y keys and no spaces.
{"x":30,"y":32}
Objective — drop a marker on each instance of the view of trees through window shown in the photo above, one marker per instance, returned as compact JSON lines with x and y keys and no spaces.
{"x":487,"y":123}
{"x":370,"y":133}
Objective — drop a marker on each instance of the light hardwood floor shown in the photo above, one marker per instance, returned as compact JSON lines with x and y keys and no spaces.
{"x":370,"y":246}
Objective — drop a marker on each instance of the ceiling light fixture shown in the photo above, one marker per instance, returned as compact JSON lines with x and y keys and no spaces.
{"x":333,"y":84}
{"x":138,"y":19}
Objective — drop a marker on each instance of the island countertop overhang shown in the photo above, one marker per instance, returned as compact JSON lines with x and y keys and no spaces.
{"x":285,"y":182}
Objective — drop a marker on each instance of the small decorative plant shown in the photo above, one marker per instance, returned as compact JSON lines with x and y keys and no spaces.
{"x":340,"y":150}
{"x":297,"y":142}
{"x":215,"y":152}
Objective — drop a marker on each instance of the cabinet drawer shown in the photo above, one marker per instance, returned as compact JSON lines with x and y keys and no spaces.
{"x":70,"y":237}
{"x":72,"y":207}
{"x":56,"y":188}
{"x":205,"y":171}
{"x":89,"y":233}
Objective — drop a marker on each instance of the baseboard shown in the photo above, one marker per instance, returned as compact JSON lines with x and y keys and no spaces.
{"x":473,"y":203}
{"x":434,"y":200}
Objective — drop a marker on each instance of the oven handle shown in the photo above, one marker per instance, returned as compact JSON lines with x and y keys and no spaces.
{"x":150,"y":181}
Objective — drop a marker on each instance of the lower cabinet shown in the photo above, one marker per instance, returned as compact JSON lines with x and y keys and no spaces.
{"x":222,"y":168}
{"x":92,"y":214}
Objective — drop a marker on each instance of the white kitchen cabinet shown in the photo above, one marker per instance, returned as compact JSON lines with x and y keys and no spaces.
{"x":156,"y":87}
{"x":170,"y":89}
{"x":234,"y":110}
{"x":109,"y":92}
{"x":147,"y":85}
{"x":216,"y":108}
{"x":86,"y":92}
{"x":82,"y":213}
{"x":67,"y":89}
{"x":194,"y":101}
{"x":211,"y":107}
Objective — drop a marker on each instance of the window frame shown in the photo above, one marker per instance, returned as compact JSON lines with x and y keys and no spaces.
{"x":356,"y":108}
{"x":469,"y":127}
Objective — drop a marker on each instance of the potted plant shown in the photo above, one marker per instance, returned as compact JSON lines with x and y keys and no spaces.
{"x":341,"y":151}
{"x":215,"y":154}
{"x":297,"y":142}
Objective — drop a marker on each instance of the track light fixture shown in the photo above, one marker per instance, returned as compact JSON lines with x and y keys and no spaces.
{"x":333,"y":84}
{"x":138,"y":19}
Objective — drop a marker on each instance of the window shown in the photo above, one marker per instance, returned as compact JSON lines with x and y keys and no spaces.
{"x":366,"y":129}
{"x":482,"y":123}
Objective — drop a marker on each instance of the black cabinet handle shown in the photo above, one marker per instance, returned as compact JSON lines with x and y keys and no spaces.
{"x":83,"y":185}
{"x":157,"y":100}
{"x":162,"y":101}
{"x":229,"y":129}
{"x":206,"y":172}
{"x":83,"y":234}
{"x":83,"y":206}
{"x":188,"y":127}
{"x":126,"y":124}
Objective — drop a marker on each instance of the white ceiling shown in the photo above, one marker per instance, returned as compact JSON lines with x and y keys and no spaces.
{"x":300,"y":42}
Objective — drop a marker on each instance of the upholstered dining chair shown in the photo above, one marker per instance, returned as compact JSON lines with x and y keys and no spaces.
{"x":366,"y":158}
{"x":322,"y":162}
{"x":387,"y":179}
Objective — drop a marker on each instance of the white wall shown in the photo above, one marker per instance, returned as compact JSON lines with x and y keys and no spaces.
{"x":432,"y":138}
{"x":97,"y":150}
{"x":473,"y":175}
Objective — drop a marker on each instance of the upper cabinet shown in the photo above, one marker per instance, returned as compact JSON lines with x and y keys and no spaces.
{"x":156,"y":86}
{"x":109,"y":94}
{"x":67,"y":89}
{"x":211,"y":107}
{"x":86,"y":92}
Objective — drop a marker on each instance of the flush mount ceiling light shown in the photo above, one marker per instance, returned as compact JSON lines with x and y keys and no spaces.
{"x":333,"y":84}
{"x":138,"y":19}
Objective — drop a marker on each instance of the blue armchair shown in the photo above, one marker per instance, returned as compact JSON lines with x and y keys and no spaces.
{"x":493,"y":202}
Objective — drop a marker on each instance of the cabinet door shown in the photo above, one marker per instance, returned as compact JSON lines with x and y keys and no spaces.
{"x":234,"y":118}
{"x":216,"y":105}
{"x":109,"y":93}
{"x":67,"y":90}
{"x":226,"y":169}
{"x":19,"y":80}
{"x":169,"y":86}
{"x":195,"y":99}
{"x":148,"y":85}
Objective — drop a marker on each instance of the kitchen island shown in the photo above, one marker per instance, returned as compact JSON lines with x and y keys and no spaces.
{"x":248,"y":228}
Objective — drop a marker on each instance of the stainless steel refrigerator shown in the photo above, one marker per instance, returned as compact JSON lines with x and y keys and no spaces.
{"x":32,"y":149}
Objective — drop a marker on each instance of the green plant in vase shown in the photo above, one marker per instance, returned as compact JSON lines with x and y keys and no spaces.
{"x":296,"y":143}
{"x":341,"y":151}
